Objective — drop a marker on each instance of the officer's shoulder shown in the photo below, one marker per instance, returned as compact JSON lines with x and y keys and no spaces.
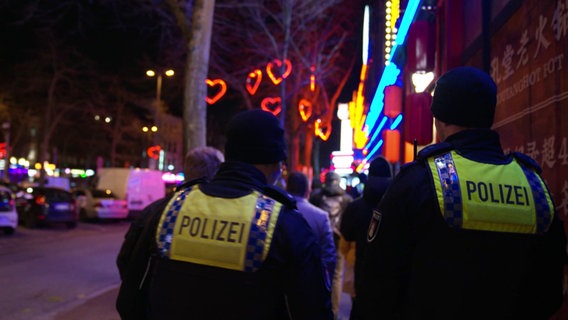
{"x":422,"y":157}
{"x":190,"y":183}
{"x":279,"y":195}
{"x":527,"y":161}
{"x":433,"y":150}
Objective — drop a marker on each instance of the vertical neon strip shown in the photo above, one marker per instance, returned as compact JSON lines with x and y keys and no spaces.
{"x":390,"y":74}
{"x":161,"y":160}
{"x":357,"y":116}
{"x":365,"y":51}
{"x":407,"y":19}
{"x":312,"y":83}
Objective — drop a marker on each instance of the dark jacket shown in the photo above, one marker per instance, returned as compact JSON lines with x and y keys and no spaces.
{"x":290,"y":281}
{"x":332,"y":199}
{"x":355,"y":220}
{"x":418,"y":268}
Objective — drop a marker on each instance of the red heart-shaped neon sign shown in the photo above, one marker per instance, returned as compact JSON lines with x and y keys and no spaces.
{"x":305,"y":109}
{"x":321,"y":130}
{"x":154,"y":152}
{"x":273,"y":105}
{"x":273,"y":69}
{"x":253,"y":81}
{"x":220,"y":91}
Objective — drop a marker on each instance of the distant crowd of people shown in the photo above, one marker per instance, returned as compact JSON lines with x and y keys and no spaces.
{"x":424,"y":243}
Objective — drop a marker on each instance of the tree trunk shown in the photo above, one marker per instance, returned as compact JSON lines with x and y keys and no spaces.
{"x":195,"y":108}
{"x":316,"y":161}
{"x":287,"y":17}
{"x":47,"y":128}
{"x":293,"y":134}
{"x":307,"y":159}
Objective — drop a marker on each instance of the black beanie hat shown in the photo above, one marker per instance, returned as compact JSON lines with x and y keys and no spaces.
{"x":465,"y":96}
{"x":380,"y":167}
{"x":256,"y":137}
{"x":379,"y":170}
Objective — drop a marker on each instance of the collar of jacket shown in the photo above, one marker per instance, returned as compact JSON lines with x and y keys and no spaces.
{"x":235,"y":179}
{"x":481,"y":145}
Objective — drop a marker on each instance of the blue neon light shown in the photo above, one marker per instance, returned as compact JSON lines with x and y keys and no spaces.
{"x":390,"y":74}
{"x":407,"y":20}
{"x":389,"y":77}
{"x":378,"y":130}
{"x":375,"y":149}
{"x":396,"y":122}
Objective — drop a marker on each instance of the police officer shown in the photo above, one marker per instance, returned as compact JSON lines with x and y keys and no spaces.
{"x":465,"y":231}
{"x":235,"y":248}
{"x":200,"y":165}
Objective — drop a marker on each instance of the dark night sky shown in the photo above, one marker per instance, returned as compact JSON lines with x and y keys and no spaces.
{"x":119,"y":39}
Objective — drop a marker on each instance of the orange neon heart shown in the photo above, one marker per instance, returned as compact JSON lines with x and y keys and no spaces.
{"x":253,"y":81}
{"x":321,"y":130}
{"x":220,"y":91}
{"x":154,"y":152}
{"x":273,"y":105}
{"x":275,"y":65}
{"x":305,"y":109}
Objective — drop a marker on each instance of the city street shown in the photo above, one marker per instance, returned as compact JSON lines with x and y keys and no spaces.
{"x":59,"y":274}
{"x":49,"y":271}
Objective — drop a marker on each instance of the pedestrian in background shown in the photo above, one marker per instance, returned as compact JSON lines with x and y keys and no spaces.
{"x":333,"y":199}
{"x":355,"y":220}
{"x":297,"y":185}
{"x":465,"y":231}
{"x":202,"y":162}
{"x":234,"y":248}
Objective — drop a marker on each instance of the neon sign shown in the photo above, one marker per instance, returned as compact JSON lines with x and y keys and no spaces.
{"x":221,"y":90}
{"x":321,"y":130}
{"x":276,"y":65}
{"x":305,"y":109}
{"x":272,"y":105}
{"x":154,"y":152}
{"x":253,"y":81}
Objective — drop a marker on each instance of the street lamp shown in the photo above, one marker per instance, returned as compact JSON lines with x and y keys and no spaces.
{"x":158,"y":110}
{"x":152,"y":73}
{"x":147,"y":129}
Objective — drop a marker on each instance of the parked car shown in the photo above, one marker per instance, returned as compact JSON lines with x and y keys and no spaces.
{"x":48,"y":205}
{"x":19,"y":194}
{"x":99,"y":204}
{"x":8,"y":214}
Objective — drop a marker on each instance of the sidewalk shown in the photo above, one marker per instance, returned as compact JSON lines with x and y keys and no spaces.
{"x":102,"y":307}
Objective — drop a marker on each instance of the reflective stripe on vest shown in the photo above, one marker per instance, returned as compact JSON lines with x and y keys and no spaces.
{"x":228,"y":233}
{"x":502,"y":198}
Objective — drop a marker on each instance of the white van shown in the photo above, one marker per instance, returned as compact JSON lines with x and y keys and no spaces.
{"x":139,"y":187}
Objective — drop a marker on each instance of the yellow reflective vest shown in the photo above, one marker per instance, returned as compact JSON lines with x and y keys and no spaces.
{"x":490,"y":197}
{"x":230,"y":233}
